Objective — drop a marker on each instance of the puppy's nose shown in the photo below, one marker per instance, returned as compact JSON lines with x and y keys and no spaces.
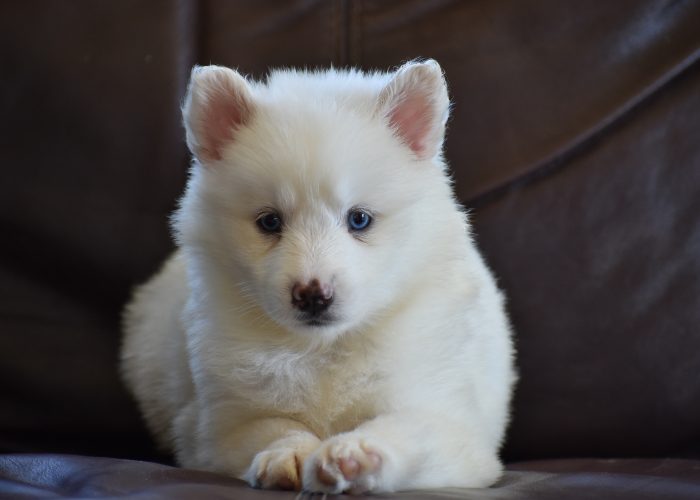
{"x":312,"y":298}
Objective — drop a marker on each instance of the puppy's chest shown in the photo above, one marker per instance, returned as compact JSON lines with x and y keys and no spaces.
{"x":329,"y":392}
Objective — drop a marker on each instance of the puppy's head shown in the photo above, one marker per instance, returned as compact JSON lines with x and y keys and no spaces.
{"x":315,"y":193}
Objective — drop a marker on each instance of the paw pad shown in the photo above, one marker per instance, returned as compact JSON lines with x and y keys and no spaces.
{"x":349,"y":466}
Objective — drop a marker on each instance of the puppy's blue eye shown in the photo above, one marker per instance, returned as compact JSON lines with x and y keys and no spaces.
{"x":358,"y":220}
{"x":269,"y":222}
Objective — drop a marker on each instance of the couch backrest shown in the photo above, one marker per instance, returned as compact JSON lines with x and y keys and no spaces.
{"x":574,"y":140}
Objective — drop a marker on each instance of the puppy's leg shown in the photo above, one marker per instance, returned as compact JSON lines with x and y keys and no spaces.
{"x":266,"y":452}
{"x":404,"y":451}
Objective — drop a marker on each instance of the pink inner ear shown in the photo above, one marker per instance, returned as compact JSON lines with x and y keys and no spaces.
{"x":222,"y":115}
{"x":411,"y":117}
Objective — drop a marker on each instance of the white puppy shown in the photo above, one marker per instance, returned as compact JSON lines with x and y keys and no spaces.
{"x":327,"y":322}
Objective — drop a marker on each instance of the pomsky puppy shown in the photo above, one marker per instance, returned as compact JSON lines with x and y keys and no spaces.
{"x":326,"y":323}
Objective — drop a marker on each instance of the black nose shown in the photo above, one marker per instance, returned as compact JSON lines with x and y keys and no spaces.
{"x":312,"y":298}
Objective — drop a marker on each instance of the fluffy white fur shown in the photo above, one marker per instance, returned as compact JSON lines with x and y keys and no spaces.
{"x":407,"y":385}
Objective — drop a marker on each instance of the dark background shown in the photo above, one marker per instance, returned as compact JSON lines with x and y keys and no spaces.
{"x":575,"y":140}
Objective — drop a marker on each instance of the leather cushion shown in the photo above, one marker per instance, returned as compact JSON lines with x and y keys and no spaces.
{"x":33,"y":476}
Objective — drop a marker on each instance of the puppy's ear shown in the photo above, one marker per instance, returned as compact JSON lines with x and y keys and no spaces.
{"x":416,"y":106}
{"x":218,"y":103}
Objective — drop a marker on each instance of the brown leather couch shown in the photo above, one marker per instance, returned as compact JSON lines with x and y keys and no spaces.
{"x":575,"y":141}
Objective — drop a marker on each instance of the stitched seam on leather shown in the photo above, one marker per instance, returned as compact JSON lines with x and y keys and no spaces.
{"x":583,"y":141}
{"x":355,"y":29}
{"x":340,"y":14}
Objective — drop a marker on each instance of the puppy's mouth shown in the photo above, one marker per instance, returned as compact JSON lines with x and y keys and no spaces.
{"x":317,"y":322}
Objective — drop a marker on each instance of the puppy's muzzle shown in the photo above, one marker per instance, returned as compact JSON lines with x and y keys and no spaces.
{"x":313,"y":298}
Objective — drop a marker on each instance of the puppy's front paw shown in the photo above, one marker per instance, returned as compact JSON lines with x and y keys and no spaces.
{"x":280,"y":465}
{"x":344,"y":464}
